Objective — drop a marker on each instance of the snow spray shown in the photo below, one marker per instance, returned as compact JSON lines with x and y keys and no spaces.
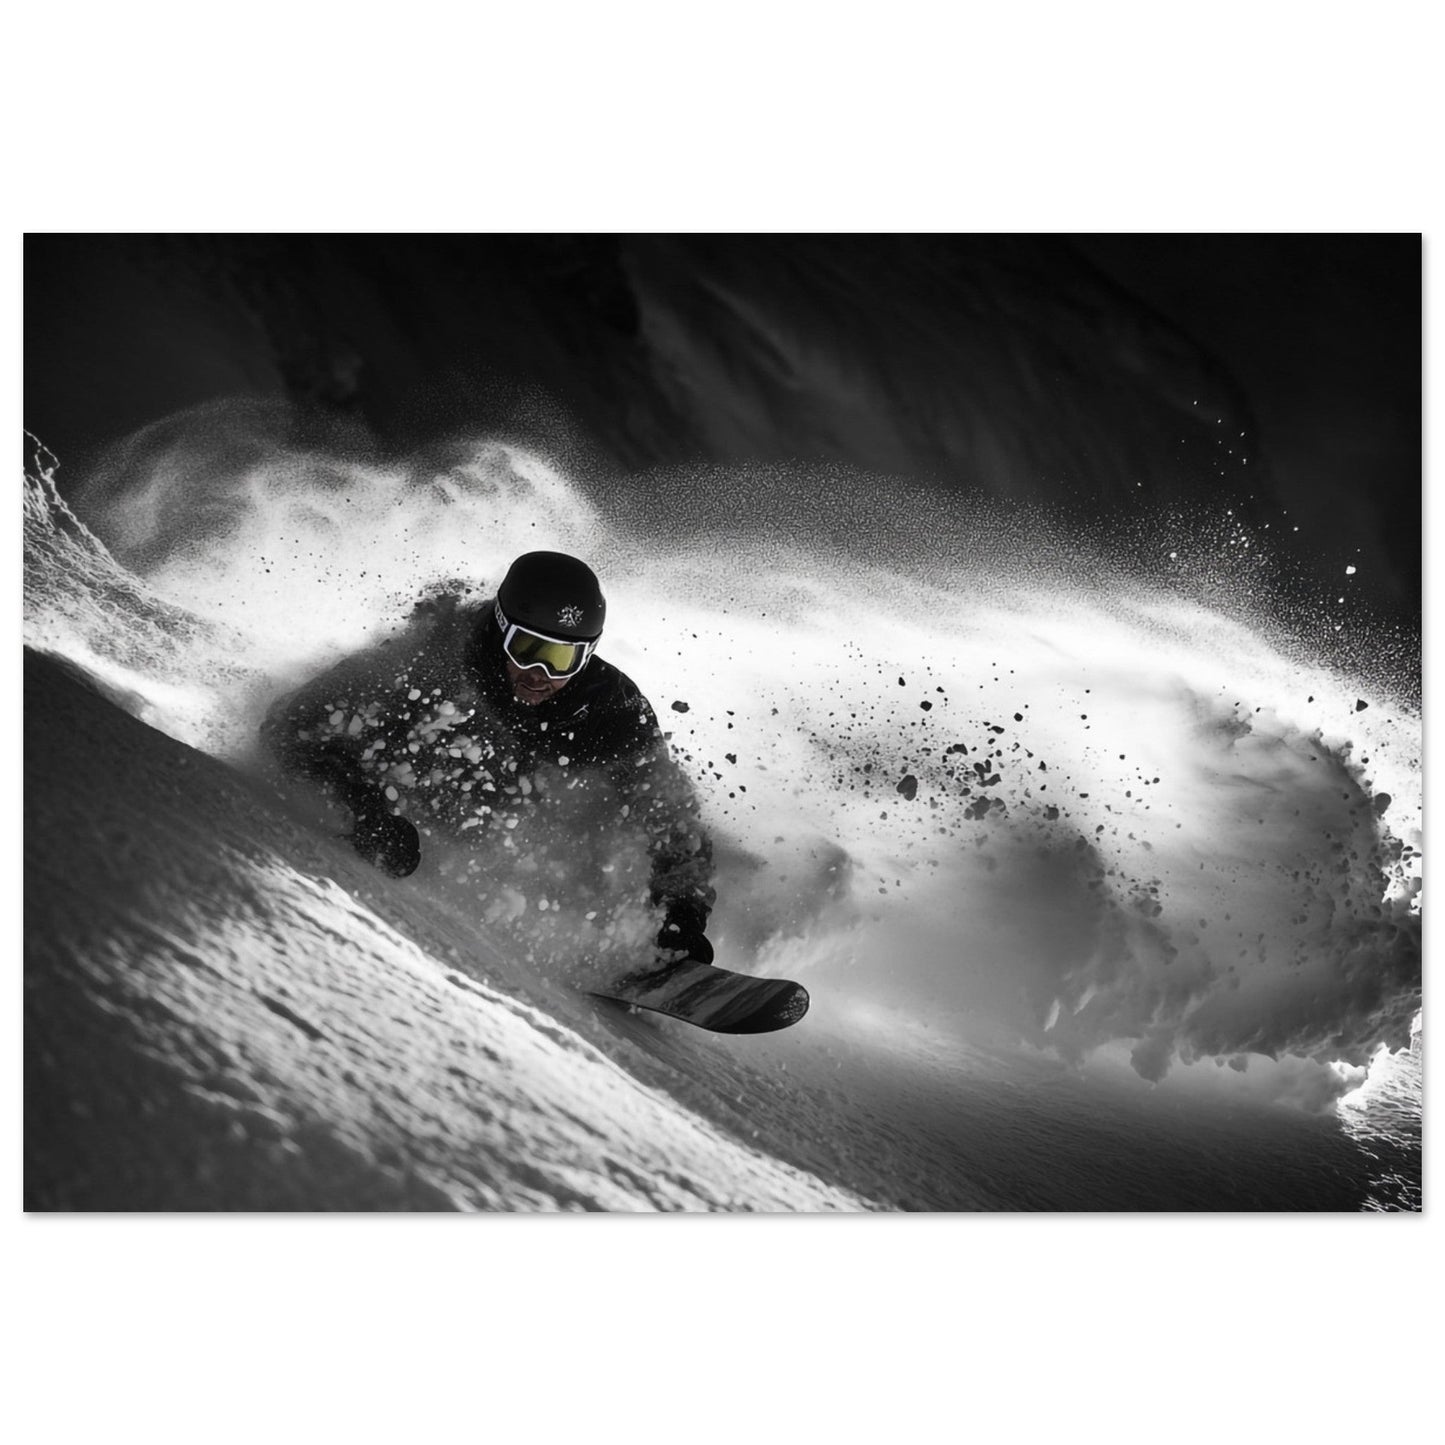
{"x":967,"y":766}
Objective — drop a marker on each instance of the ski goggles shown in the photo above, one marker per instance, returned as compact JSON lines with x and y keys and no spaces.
{"x":558,"y":657}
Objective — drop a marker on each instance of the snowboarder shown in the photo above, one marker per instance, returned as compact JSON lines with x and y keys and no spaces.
{"x":479,"y":710}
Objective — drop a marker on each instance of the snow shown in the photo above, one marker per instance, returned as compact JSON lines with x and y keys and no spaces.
{"x":1051,"y":840}
{"x":296,"y":1050}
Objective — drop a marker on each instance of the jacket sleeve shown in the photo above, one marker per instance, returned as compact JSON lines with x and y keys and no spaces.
{"x":321,"y":731}
{"x":666,"y":805}
{"x":682,"y":868}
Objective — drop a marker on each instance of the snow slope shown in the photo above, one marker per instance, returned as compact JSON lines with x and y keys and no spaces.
{"x":1105,"y":889}
{"x":218,"y":1020}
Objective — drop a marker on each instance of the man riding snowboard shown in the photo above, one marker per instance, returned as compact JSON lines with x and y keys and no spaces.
{"x":481,"y":711}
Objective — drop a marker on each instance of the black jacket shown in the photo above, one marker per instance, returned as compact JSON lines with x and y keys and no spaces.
{"x":425,"y":725}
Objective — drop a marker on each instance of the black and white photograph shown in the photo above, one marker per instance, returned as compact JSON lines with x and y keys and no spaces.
{"x":723,"y":722}
{"x":788,"y":723}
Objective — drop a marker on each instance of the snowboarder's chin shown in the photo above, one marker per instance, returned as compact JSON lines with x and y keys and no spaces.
{"x":531,"y":687}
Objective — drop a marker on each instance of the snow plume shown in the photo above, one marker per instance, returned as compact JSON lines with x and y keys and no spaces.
{"x":152,"y":656}
{"x":962,"y":763}
{"x":307,"y":552}
{"x":1081,"y":814}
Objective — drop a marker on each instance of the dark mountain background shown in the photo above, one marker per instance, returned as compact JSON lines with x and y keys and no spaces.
{"x":1099,"y":375}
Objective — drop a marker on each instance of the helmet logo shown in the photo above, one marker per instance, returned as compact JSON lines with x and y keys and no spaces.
{"x":569,"y":616}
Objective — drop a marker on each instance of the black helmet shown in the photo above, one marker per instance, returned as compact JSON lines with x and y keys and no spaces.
{"x":554,"y":594}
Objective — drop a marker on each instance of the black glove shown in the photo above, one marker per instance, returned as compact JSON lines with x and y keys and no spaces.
{"x":682,"y":932}
{"x":387,"y":841}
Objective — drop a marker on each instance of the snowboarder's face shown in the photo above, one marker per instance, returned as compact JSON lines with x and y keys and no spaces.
{"x":530,"y":685}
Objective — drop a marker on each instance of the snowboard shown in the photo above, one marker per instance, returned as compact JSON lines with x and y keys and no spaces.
{"x":712,"y":998}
